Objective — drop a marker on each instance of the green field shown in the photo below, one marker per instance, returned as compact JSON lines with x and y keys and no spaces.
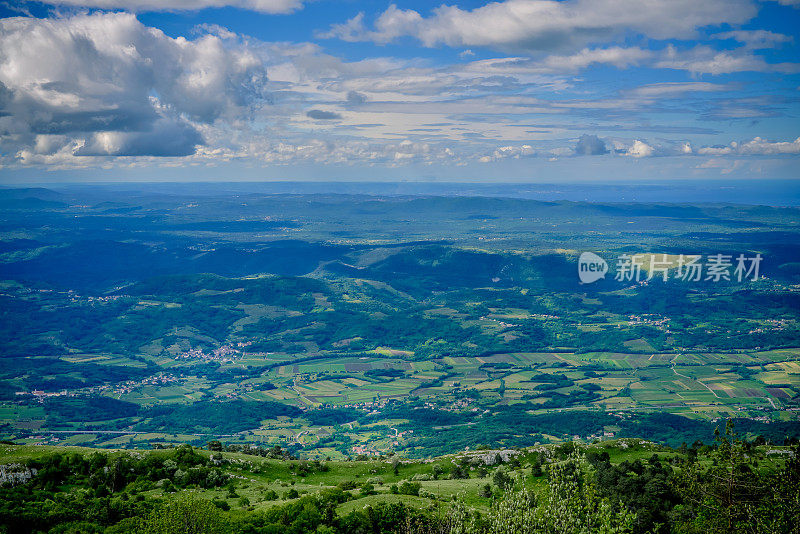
{"x":250,"y":489}
{"x":422,"y":338}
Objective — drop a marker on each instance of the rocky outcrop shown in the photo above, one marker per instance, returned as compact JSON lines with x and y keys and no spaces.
{"x":15,"y":474}
{"x":491,"y":457}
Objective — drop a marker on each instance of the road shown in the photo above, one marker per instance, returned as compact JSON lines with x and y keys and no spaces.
{"x":690,"y":378}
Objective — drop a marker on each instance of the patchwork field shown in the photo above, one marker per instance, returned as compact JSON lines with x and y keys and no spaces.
{"x":423,"y":338}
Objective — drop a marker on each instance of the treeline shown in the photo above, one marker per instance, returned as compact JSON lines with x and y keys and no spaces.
{"x":213,"y":417}
{"x":112,"y":488}
{"x":287,"y":292}
{"x":444,"y":432}
{"x":52,"y":374}
{"x":205,"y":416}
{"x":729,"y":486}
{"x":210,"y":305}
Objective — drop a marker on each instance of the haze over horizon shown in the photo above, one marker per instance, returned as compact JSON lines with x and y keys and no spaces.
{"x":511,"y":91}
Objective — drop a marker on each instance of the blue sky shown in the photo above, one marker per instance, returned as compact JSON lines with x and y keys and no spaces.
{"x":514,"y":90}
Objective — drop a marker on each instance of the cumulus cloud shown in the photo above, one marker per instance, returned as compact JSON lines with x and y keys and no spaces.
{"x":76,"y":89}
{"x":394,"y":154}
{"x":546,"y":25}
{"x":411,"y":152}
{"x":264,"y":6}
{"x":85,"y":89}
{"x":166,"y":138}
{"x":646,"y":149}
{"x":755,"y":147}
{"x":112,"y":86}
{"x":590,"y":145}
{"x":505,"y":152}
{"x":640,"y":149}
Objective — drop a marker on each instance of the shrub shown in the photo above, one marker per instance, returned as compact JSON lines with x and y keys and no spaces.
{"x":409,"y":488}
{"x":186,"y":516}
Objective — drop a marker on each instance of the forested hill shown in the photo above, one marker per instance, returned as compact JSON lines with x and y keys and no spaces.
{"x":623,"y":486}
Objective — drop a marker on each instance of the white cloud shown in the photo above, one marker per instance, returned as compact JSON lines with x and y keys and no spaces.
{"x":506,"y":152}
{"x":756,"y":39}
{"x":109,"y":85}
{"x":617,"y":56}
{"x":544,"y":25}
{"x":725,"y":166}
{"x":346,"y":152}
{"x":761,"y":146}
{"x":214,"y":29}
{"x":92,"y":89}
{"x":755,"y":147}
{"x":263,"y":6}
{"x":104,"y":86}
{"x":640,"y":149}
{"x":673,"y":89}
{"x":532,"y":69}
{"x":105,"y":89}
{"x":703,"y":59}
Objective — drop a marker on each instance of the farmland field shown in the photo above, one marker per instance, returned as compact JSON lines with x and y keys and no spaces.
{"x":420,"y":340}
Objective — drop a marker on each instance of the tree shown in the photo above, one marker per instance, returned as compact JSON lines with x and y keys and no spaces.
{"x":502,"y":479}
{"x":186,"y":515}
{"x":780,"y":510}
{"x":459,"y":519}
{"x":459,"y":472}
{"x":409,"y":488}
{"x":436,"y":472}
{"x":569,"y":505}
{"x":723,"y":496}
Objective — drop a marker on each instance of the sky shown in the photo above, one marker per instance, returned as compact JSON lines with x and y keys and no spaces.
{"x":507,"y":91}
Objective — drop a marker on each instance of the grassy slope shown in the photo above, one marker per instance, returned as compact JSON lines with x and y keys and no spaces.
{"x":255,"y":476}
